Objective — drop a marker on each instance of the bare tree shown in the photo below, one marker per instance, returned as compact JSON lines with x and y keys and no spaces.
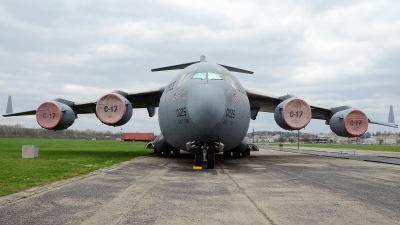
{"x":380,"y":140}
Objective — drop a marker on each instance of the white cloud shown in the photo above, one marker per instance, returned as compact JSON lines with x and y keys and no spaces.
{"x":330,"y":53}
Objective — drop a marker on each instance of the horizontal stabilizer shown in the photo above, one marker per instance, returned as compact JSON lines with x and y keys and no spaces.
{"x":202,"y":59}
{"x":175,"y":67}
{"x":233,"y":69}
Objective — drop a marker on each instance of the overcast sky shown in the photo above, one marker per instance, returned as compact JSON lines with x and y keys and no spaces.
{"x":330,"y":53}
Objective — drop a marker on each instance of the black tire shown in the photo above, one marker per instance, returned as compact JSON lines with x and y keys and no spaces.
{"x":246,"y":153}
{"x":210,"y":160}
{"x":168,"y":152}
{"x":176,"y":152}
{"x":198,"y":159}
{"x":227,"y":154}
{"x":156,"y":152}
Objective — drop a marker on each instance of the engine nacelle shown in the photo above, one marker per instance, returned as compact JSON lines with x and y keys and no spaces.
{"x":113,"y":109}
{"x":349,"y":123}
{"x":293,"y":114}
{"x":54,"y":115}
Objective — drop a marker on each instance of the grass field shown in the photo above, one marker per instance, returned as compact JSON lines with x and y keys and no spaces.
{"x":384,"y":148}
{"x":58,"y":159}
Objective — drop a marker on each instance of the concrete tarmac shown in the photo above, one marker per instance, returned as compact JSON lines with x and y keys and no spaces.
{"x":270,"y":187}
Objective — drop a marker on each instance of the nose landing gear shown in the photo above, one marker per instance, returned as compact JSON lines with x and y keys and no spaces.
{"x":210,"y":160}
{"x":207,"y":154}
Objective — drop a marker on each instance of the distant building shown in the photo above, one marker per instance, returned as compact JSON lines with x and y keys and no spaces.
{"x":136,"y":136}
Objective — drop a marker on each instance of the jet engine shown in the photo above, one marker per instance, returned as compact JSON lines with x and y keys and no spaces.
{"x":54,"y":115}
{"x":113,"y":109}
{"x":349,"y":123}
{"x":293,"y":114}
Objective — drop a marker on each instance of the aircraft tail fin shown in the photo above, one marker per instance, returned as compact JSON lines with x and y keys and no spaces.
{"x":391,"y":115}
{"x":202,"y":59}
{"x":9,"y":109}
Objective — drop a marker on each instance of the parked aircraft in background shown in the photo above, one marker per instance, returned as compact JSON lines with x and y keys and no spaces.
{"x":203,"y":110}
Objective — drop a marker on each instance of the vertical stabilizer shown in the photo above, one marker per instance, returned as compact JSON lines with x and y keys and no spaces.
{"x":391,"y":115}
{"x":9,"y":109}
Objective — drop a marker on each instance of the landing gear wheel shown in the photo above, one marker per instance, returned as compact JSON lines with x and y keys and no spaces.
{"x":198,"y":159}
{"x":176,"y":152}
{"x":246,"y":153}
{"x":156,"y":152}
{"x":210,"y":160}
{"x":227,"y":154}
{"x":168,"y":152}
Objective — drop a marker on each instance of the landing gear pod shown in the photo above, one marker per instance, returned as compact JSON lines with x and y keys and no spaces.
{"x":349,"y":123}
{"x":293,"y":114}
{"x":54,"y":116}
{"x":113,"y":109}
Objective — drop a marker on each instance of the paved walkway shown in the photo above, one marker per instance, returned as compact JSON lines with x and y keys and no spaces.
{"x":361,"y":155}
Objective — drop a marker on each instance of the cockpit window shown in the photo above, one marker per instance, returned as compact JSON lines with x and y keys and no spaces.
{"x":214,"y":76}
{"x":201,"y":75}
{"x":184,"y":78}
{"x":231,"y":81}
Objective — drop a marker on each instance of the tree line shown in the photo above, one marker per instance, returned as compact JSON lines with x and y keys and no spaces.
{"x":19,"y":131}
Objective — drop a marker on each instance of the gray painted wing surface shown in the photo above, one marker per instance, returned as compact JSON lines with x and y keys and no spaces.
{"x":138,"y":100}
{"x":25,"y":113}
{"x":268,"y":103}
{"x":141,"y":99}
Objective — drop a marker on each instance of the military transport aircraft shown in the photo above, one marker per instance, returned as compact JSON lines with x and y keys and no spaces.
{"x":203,"y":110}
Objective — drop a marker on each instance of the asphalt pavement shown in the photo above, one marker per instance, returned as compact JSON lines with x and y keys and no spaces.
{"x":270,"y":187}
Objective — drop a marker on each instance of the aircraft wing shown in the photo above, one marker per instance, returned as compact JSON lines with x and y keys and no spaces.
{"x":137,"y":99}
{"x":268,"y":103}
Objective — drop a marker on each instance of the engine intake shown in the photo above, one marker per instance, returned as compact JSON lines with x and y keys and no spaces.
{"x":54,"y":115}
{"x":113,"y":109}
{"x":349,"y":123}
{"x":293,"y":114}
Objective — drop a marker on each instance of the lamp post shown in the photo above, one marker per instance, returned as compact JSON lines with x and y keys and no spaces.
{"x":298,"y":139}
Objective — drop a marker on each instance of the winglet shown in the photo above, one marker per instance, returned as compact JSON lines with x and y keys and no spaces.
{"x":391,"y":115}
{"x":9,"y":109}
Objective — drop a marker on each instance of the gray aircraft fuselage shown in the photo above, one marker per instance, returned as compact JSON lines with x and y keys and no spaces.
{"x":204,"y":103}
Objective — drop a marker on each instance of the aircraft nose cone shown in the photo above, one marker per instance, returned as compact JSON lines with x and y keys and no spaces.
{"x":206,"y":105}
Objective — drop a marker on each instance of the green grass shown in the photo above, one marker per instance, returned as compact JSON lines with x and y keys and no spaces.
{"x":58,"y":159}
{"x":383,"y":148}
